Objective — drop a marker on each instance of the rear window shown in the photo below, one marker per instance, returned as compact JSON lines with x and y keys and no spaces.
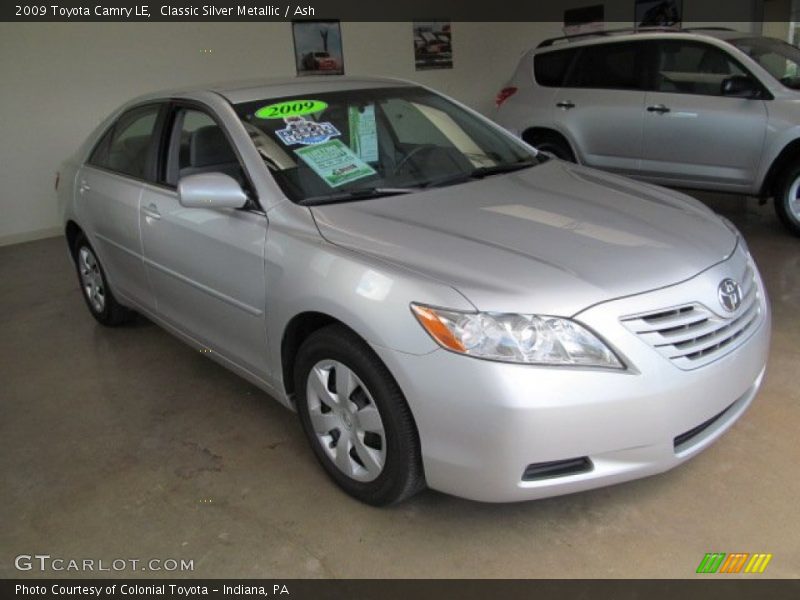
{"x":550,"y":69}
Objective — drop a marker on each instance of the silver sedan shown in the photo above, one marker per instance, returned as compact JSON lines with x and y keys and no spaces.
{"x":441,"y":304}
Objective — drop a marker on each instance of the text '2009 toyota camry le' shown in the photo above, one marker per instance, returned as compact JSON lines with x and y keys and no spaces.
{"x":441,"y":304}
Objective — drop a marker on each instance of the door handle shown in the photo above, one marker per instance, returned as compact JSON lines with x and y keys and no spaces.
{"x":658,"y":108}
{"x":84,"y":187}
{"x":152,"y":211}
{"x":565,"y":104}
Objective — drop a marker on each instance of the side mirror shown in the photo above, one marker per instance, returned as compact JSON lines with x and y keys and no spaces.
{"x":739,"y":86}
{"x":210,"y":190}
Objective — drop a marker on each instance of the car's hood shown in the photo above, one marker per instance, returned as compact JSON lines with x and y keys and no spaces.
{"x":553,"y":239}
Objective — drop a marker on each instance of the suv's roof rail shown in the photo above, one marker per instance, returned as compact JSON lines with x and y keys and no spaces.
{"x":605,"y":32}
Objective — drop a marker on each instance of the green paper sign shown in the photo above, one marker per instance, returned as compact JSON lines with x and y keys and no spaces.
{"x":335,"y":163}
{"x":291,"y":108}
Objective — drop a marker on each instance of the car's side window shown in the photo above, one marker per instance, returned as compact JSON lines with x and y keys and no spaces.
{"x":199,"y":145}
{"x":551,"y":68}
{"x":693,"y":68}
{"x":126,"y":148}
{"x":616,"y":66}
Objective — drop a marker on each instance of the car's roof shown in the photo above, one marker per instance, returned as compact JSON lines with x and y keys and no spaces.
{"x":627,"y":35}
{"x":259,"y":89}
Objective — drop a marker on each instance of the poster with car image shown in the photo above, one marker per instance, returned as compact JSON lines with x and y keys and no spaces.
{"x":658,"y":13}
{"x":433,"y":47}
{"x":318,"y":48}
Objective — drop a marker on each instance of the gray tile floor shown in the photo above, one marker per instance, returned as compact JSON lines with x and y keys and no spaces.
{"x":124,"y":443}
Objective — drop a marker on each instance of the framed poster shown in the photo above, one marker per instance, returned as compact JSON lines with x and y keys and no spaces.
{"x":658,"y":13}
{"x":433,"y":48}
{"x":318,"y":47}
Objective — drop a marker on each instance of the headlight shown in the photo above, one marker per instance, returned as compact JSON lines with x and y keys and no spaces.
{"x":529,"y":339}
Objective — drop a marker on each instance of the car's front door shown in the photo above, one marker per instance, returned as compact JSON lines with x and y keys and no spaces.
{"x":693,"y":135}
{"x":109,"y":188}
{"x":600,"y":105}
{"x":206,"y":266}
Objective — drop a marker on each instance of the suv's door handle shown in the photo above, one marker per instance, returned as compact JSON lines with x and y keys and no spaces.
{"x":84,"y":187}
{"x":658,"y":108}
{"x":565,"y":104}
{"x":152,"y":211}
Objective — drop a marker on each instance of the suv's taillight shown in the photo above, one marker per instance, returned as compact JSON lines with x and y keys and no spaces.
{"x":504,"y":95}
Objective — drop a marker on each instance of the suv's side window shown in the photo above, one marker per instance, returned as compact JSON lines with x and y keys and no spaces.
{"x":551,"y":68}
{"x":693,"y":68}
{"x":199,"y":145}
{"x":616,"y":66}
{"x":126,"y":148}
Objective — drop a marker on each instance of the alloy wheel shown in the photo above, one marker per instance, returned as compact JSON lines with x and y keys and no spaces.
{"x":91,"y":279}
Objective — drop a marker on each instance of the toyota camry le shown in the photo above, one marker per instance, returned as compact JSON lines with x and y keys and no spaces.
{"x":441,"y":304}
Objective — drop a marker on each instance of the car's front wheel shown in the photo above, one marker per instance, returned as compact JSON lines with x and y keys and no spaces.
{"x":356,"y":418}
{"x":787,"y":199}
{"x":94,"y":285}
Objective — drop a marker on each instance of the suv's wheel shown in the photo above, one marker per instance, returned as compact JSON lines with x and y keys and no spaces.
{"x":101,"y":302}
{"x":554,"y":145}
{"x":787,"y":199}
{"x":356,"y":418}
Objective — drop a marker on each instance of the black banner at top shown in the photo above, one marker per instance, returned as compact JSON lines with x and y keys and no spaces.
{"x":694,"y":11}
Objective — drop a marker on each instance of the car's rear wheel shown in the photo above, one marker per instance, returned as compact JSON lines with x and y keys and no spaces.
{"x":356,"y":418}
{"x":787,"y":199}
{"x":94,"y":285}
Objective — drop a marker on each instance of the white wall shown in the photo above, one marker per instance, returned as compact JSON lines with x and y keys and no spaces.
{"x":60,"y":79}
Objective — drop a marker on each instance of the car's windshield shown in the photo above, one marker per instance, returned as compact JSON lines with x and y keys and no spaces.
{"x":780,"y":59}
{"x":360,"y":143}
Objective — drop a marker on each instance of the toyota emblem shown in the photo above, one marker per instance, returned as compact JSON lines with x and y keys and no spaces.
{"x":730,"y":294}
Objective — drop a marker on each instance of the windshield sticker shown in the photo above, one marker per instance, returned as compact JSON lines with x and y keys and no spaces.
{"x":302,"y":131}
{"x":335,"y":163}
{"x":363,"y":132}
{"x":291,"y":108}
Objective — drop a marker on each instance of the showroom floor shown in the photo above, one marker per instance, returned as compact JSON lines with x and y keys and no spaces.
{"x":125,"y":443}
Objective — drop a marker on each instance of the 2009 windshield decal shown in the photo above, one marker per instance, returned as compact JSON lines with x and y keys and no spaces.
{"x":291,"y":108}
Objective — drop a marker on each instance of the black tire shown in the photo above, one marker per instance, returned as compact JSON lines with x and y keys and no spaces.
{"x":402,"y":474}
{"x":782,"y":199}
{"x":112,"y":313}
{"x":554,"y":145}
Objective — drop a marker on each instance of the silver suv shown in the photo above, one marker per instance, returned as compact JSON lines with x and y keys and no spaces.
{"x":710,"y":109}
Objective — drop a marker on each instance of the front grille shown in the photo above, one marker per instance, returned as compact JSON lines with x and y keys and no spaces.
{"x":692,"y":335}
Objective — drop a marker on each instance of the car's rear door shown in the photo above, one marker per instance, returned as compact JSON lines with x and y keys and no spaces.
{"x":600,"y":105}
{"x":206,"y":266}
{"x":109,"y":188}
{"x":693,"y":135}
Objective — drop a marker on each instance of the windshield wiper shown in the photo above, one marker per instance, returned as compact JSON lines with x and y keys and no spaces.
{"x":480,"y":173}
{"x":359,"y":194}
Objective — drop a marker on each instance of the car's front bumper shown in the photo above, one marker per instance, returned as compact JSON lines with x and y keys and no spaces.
{"x":483,"y":423}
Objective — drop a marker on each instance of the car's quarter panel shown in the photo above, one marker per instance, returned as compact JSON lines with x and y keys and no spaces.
{"x":206,"y":269}
{"x":703,"y":141}
{"x":108,"y":211}
{"x":481,"y":423}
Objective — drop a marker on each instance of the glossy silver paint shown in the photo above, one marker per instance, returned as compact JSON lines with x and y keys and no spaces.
{"x":211,"y":190}
{"x":701,"y":142}
{"x":556,"y":239}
